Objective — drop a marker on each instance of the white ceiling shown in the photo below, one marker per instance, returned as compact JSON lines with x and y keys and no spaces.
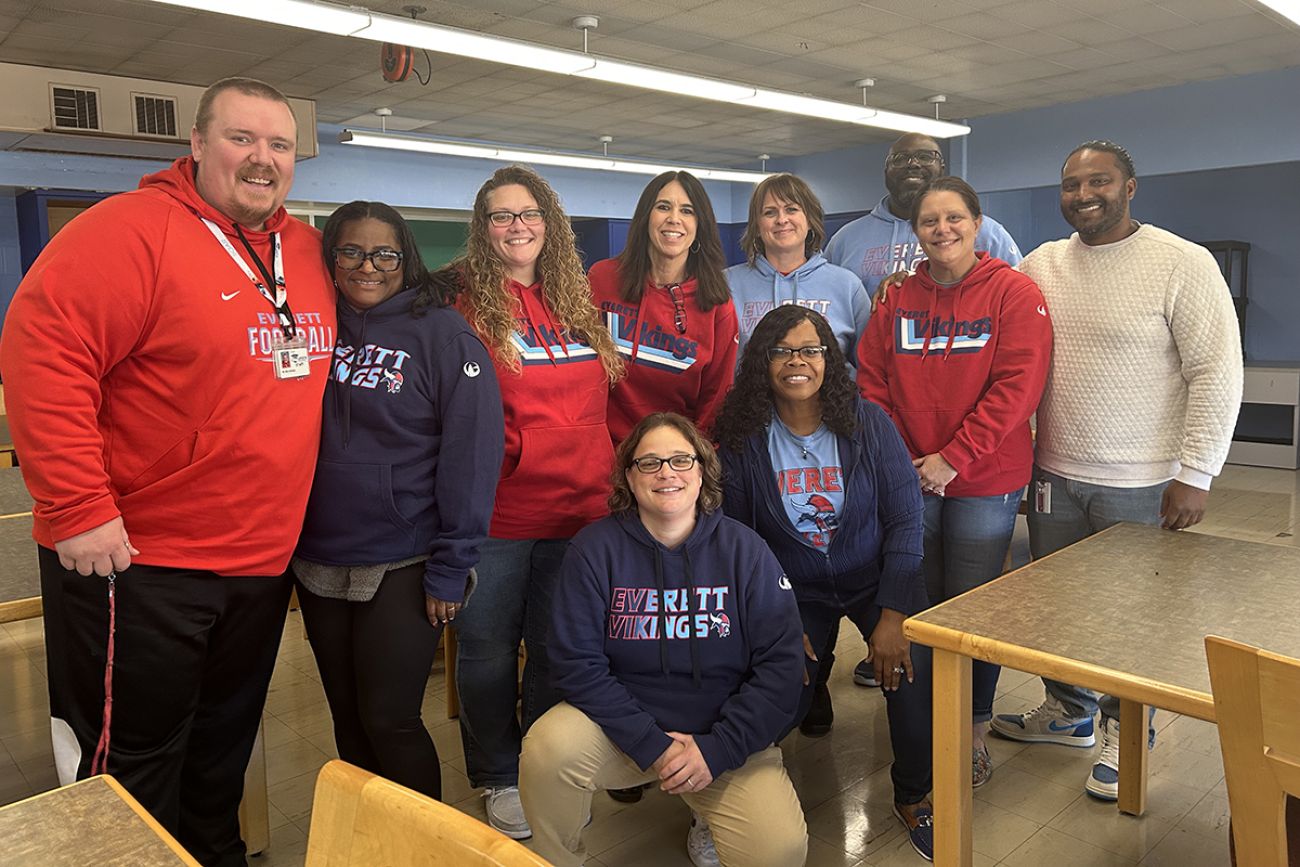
{"x":987,"y":56}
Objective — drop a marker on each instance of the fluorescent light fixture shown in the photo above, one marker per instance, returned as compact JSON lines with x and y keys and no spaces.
{"x":505,"y":154}
{"x":1286,"y":8}
{"x":363,"y":24}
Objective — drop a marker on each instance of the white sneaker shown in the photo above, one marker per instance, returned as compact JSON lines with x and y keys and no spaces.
{"x":699,"y":843}
{"x":1103,"y":781}
{"x":1045,"y":724}
{"x":505,"y":812}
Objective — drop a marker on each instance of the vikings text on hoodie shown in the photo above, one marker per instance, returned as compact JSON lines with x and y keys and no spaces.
{"x":555,"y":474}
{"x":686,"y":369}
{"x":412,"y":431}
{"x":876,"y":549}
{"x":704,"y":639}
{"x":834,"y":292}
{"x":961,"y":369}
{"x":878,"y":244}
{"x":137,"y":363}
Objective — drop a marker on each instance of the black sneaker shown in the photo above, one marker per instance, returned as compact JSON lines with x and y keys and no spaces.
{"x":628,"y":796}
{"x":865,"y":674}
{"x":817,"y":722}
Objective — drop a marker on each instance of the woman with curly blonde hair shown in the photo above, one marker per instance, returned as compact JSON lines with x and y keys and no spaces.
{"x":521,"y":285}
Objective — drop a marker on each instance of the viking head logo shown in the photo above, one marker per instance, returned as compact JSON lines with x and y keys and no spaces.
{"x":393,"y":379}
{"x":722,"y":623}
{"x":820,"y":513}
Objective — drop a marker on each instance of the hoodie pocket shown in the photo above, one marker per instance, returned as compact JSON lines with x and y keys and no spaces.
{"x":560,"y":470}
{"x":353,"y":504}
{"x":170,"y":462}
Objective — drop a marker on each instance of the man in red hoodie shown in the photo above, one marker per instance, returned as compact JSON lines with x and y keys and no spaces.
{"x":164,"y":360}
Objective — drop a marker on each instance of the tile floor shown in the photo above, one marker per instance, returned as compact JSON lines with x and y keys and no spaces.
{"x":1033,"y":812}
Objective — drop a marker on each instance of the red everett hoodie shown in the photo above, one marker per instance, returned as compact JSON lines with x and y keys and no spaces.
{"x":960,"y":369}
{"x":686,"y":371}
{"x":138,"y":377}
{"x":558,"y":457}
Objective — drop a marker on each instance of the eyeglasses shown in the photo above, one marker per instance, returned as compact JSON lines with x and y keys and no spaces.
{"x":679,"y":307}
{"x":921,"y":158}
{"x":649,"y":465}
{"x":785,"y":353}
{"x":529,"y":217}
{"x":350,"y":258}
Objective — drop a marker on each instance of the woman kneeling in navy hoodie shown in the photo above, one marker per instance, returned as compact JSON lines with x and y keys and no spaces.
{"x":825,"y":479}
{"x":676,"y":646}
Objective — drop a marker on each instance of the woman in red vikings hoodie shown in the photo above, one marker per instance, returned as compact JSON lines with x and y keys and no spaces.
{"x":667,"y":305}
{"x":958,"y":357}
{"x":520,"y":285}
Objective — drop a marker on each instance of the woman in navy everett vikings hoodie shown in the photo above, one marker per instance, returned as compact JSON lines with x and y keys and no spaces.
{"x":676,"y":648}
{"x":825,"y":479}
{"x":403,"y":492}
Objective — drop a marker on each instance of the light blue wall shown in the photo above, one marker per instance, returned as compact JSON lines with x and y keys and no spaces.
{"x":10,"y":262}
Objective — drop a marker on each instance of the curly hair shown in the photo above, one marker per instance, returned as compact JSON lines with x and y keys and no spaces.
{"x":622,"y":499}
{"x":785,"y":188}
{"x":490,"y":307}
{"x":749,"y":405}
{"x":431,"y":293}
{"x":705,"y":264}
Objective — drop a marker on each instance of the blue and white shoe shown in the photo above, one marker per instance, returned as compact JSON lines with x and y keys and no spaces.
{"x":1045,"y":724}
{"x":1103,"y":782}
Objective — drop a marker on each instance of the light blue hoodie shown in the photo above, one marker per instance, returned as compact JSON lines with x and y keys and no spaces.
{"x":816,"y":284}
{"x":877,"y":245}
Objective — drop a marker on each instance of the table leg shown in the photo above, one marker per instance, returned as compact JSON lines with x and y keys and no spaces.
{"x":952,"y":747}
{"x":254,"y":815}
{"x":1133,"y":757}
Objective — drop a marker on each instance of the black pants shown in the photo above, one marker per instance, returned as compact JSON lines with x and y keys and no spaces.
{"x":192,"y":660}
{"x":909,"y":708}
{"x":374,"y":659}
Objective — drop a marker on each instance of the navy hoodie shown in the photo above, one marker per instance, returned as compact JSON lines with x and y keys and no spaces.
{"x":877,"y":549}
{"x":411,"y":445}
{"x":704,"y":639}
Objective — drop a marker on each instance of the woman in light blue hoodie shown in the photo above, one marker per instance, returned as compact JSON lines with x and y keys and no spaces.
{"x":783,"y":241}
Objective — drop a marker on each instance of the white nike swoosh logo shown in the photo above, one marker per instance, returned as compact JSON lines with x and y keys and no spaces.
{"x":227,"y":297}
{"x":1042,"y":311}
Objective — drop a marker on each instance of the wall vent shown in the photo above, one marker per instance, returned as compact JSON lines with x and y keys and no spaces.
{"x":74,"y":107}
{"x":154,"y":115}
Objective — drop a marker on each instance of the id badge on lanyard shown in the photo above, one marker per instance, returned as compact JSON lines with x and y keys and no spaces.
{"x":289,"y":358}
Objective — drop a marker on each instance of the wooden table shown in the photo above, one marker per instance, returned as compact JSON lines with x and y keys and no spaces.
{"x":1125,"y":611}
{"x":94,"y":821}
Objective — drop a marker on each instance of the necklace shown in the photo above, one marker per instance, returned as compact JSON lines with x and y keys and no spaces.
{"x":796,"y":439}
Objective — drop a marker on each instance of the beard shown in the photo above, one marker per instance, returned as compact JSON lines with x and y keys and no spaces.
{"x":1107,"y":219}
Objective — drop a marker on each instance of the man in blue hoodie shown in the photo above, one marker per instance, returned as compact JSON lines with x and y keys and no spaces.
{"x":882,"y":242}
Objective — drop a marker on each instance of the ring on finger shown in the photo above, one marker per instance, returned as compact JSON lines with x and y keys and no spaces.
{"x":898,"y":669}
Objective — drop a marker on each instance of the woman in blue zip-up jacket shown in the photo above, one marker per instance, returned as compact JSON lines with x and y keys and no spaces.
{"x":825,"y":479}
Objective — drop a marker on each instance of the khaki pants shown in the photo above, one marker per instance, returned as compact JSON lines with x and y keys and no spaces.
{"x":753,"y":811}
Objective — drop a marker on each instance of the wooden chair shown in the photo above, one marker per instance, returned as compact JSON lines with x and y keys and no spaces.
{"x":359,"y":820}
{"x":1257,"y":705}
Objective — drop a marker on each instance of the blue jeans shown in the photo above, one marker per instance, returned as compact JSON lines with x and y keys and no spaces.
{"x":966,"y":542}
{"x":1079,"y":509}
{"x":516,"y":583}
{"x":908,"y":707}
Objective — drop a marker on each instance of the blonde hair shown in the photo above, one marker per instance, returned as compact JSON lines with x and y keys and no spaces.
{"x":492,"y":310}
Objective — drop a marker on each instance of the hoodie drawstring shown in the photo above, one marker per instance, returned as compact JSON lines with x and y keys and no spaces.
{"x":690,"y":611}
{"x":663,"y":615}
{"x":530,"y":310}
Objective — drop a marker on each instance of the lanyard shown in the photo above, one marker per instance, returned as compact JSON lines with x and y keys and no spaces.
{"x":275,"y":277}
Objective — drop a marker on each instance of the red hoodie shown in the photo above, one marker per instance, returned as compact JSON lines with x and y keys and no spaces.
{"x":668,"y":369}
{"x":138,"y":377}
{"x":965,"y":388}
{"x":558,"y":457}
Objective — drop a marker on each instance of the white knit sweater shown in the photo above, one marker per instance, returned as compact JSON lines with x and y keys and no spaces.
{"x":1146,"y":361}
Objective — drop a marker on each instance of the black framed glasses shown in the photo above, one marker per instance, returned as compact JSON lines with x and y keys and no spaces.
{"x":921,"y":158}
{"x":528,"y":216}
{"x":350,"y":258}
{"x":679,"y":306}
{"x":680,"y":463}
{"x":785,"y":353}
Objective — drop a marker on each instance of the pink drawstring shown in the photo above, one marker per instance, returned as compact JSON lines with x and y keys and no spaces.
{"x":99,"y":763}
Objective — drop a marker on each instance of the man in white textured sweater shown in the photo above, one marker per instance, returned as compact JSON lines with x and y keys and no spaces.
{"x":1140,"y":403}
